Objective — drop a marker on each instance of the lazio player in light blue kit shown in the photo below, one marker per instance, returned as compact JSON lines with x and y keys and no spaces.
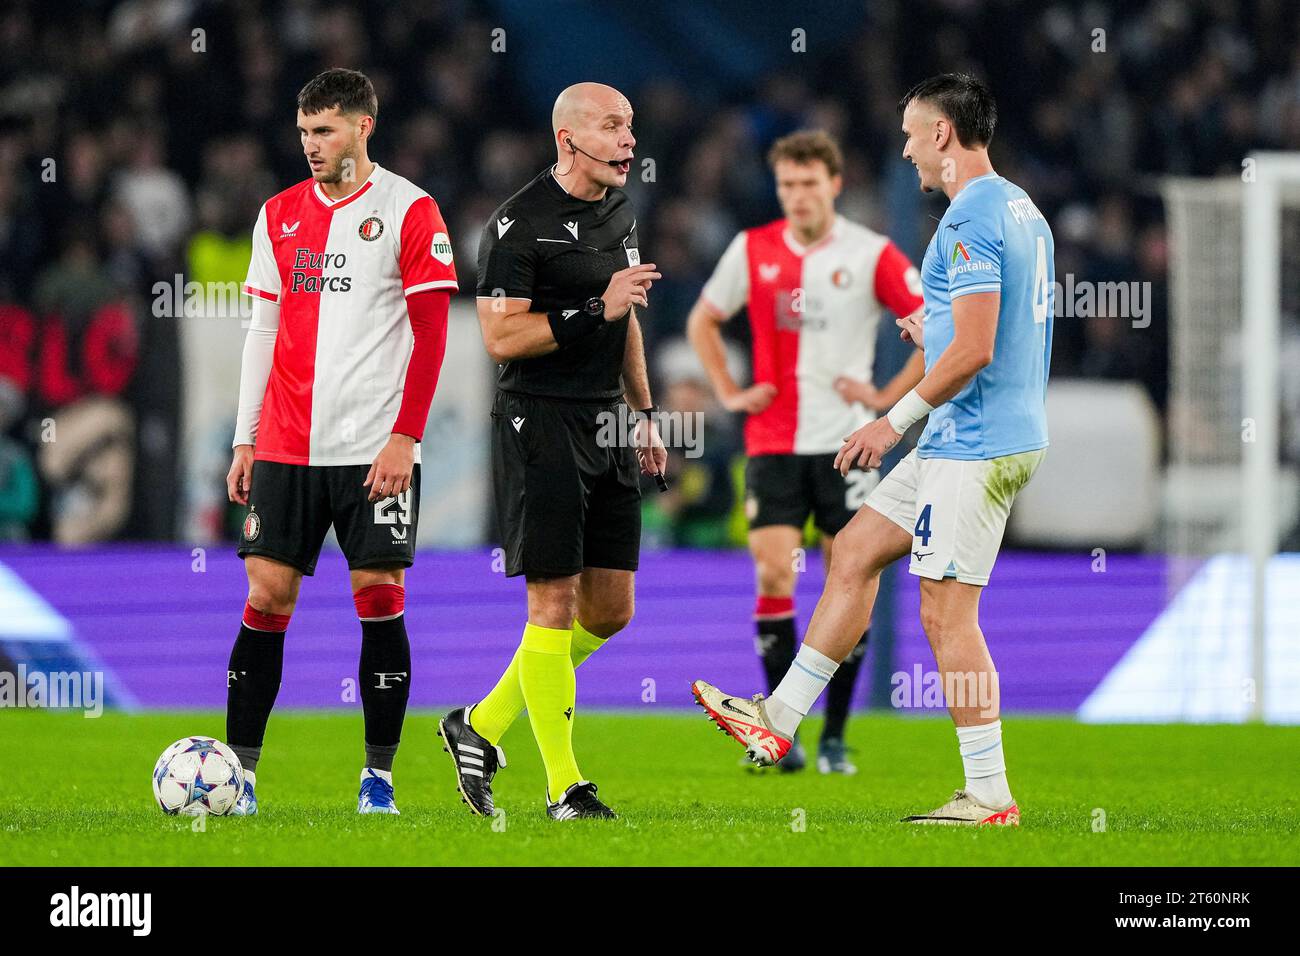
{"x":986,"y":330}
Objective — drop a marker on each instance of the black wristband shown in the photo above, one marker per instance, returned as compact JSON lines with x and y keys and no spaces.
{"x":569,"y":325}
{"x":647,"y":413}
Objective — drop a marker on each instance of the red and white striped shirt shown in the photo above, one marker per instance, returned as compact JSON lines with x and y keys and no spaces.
{"x":340,"y":272}
{"x":814,"y":312}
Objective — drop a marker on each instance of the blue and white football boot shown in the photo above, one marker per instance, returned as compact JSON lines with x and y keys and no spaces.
{"x":246,"y":803}
{"x":376,"y":792}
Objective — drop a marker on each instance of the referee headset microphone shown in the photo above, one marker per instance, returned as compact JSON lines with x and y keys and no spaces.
{"x":568,"y":141}
{"x":660,"y":480}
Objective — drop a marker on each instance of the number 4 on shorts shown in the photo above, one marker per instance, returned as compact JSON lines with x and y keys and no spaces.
{"x":922,"y":529}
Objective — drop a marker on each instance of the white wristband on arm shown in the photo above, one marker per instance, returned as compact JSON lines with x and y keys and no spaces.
{"x":909,"y":410}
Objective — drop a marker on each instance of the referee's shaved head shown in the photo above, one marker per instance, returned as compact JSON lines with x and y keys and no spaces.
{"x":592,"y":125}
{"x":583,"y":103}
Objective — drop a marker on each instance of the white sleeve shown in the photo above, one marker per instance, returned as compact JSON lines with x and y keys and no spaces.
{"x":263,"y":280}
{"x":728,"y":288}
{"x":259,"y":351}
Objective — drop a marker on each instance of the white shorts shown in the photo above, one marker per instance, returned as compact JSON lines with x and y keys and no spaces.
{"x":955,"y":511}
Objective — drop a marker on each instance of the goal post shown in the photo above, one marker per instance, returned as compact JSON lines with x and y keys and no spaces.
{"x":1234,"y":293}
{"x":1265,"y":177}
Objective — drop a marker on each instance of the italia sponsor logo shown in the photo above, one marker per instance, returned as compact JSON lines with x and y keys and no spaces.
{"x":959,"y":253}
{"x":371,"y":229}
{"x":304,"y":261}
{"x":976,"y":265}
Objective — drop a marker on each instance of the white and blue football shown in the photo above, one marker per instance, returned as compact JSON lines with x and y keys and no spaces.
{"x":197,"y":775}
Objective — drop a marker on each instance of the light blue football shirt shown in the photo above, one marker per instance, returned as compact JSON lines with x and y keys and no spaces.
{"x":992,"y":239}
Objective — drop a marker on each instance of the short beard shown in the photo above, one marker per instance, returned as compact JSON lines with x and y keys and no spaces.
{"x":335,"y":176}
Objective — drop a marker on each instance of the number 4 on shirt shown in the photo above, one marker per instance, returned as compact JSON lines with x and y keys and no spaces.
{"x":922,"y":529}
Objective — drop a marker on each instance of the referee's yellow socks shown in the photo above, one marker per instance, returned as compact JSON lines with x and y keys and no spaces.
{"x":493,"y":715}
{"x":546,"y":676}
{"x":584,"y":644}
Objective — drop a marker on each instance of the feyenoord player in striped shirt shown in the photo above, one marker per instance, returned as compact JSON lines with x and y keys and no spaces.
{"x":351,"y":278}
{"x":815,"y":285}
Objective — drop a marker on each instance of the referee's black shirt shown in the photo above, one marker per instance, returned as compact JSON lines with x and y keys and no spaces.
{"x":543,"y":244}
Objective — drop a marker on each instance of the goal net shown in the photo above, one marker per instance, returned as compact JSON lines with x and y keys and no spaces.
{"x":1234,"y":438}
{"x":1226,"y":647}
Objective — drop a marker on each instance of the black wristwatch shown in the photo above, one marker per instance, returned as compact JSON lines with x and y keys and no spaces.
{"x":595,"y":307}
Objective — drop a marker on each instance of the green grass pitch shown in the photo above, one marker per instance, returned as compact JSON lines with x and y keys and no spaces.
{"x":76,"y":792}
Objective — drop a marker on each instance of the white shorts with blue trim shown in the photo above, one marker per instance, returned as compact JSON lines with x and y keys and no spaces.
{"x":955,"y":510}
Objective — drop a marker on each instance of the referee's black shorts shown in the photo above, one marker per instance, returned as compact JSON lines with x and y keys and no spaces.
{"x":567,"y":497}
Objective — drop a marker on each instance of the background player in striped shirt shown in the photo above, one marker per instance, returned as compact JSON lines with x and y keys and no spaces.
{"x":351,"y":278}
{"x":815,"y":286}
{"x":987,"y":278}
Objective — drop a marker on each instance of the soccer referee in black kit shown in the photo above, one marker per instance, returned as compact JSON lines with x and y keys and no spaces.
{"x":559,"y":277}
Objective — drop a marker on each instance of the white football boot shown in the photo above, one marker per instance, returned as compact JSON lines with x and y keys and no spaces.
{"x":745,"y":719}
{"x":965,"y":810}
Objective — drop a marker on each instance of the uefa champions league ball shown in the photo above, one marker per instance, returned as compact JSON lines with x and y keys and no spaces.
{"x":197,"y":775}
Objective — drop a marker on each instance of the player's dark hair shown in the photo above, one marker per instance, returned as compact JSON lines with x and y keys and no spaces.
{"x":350,"y":90}
{"x":807,"y":146}
{"x":964,"y":99}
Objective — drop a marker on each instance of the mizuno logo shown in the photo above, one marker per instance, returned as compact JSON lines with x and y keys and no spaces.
{"x":921,"y":556}
{"x":573,"y":228}
{"x":517,"y":422}
{"x":954,"y":225}
{"x":289,"y":230}
{"x":503,"y":226}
